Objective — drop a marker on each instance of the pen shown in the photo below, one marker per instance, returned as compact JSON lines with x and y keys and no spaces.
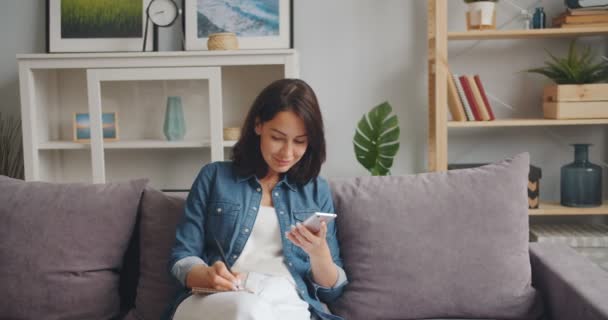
{"x":222,"y":255}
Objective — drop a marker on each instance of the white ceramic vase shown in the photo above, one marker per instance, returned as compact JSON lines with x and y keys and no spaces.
{"x":482,"y":13}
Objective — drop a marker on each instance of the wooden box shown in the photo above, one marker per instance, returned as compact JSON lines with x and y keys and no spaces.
{"x":569,"y":101}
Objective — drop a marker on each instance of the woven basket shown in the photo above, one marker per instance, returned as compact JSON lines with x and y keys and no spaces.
{"x":222,"y":41}
{"x":232,"y":133}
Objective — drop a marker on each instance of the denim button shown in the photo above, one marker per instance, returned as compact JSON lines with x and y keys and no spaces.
{"x":281,"y":212}
{"x":254,"y":208}
{"x":234,"y":257}
{"x":258,"y":190}
{"x":276,"y":194}
{"x":246,"y":230}
{"x":219,"y":209}
{"x":290,"y":264}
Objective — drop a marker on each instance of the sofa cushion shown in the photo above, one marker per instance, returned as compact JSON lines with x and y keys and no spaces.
{"x":437,"y":245}
{"x":61,"y":247}
{"x":156,"y":289}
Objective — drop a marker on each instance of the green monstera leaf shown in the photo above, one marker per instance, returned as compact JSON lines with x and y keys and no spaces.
{"x":376,"y":140}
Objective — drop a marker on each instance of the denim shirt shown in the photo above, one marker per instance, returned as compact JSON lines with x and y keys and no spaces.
{"x":223,"y":205}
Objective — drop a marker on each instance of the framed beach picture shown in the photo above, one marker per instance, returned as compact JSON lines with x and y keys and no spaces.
{"x":97,"y":25}
{"x":82,"y":127}
{"x":258,"y":24}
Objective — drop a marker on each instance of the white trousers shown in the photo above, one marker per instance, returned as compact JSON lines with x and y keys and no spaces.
{"x":273,"y":297}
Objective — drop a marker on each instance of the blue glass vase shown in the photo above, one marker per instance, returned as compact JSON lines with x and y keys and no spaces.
{"x":581,"y":181}
{"x":539,"y":19}
{"x":175,"y":126}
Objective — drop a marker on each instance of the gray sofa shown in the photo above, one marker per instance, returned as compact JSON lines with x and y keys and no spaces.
{"x":437,"y":245}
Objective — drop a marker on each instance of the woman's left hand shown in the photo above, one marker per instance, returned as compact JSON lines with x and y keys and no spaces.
{"x":315,"y":244}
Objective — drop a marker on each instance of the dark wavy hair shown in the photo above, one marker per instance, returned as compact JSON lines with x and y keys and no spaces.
{"x":282,"y":95}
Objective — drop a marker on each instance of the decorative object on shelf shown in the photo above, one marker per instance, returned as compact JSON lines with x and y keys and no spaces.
{"x":258,"y":24}
{"x":581,"y":18}
{"x":11,"y":147}
{"x":95,"y":26}
{"x":539,"y":19}
{"x":481,"y":14}
{"x":534,"y":176}
{"x":222,"y":41}
{"x":588,"y":4}
{"x":175,"y":125}
{"x":578,"y":93}
{"x":82,"y":127}
{"x":376,"y":140}
{"x":581,"y":181}
{"x":162,"y":13}
{"x":232,"y":133}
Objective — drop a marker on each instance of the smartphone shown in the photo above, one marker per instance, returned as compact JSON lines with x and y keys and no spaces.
{"x":313,"y":223}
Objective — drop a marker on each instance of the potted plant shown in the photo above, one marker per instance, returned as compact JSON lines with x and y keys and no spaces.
{"x":376,"y":140}
{"x":579,"y":90}
{"x":481,"y":14}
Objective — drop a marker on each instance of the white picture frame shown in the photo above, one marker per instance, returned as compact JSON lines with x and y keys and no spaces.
{"x":56,"y":42}
{"x":282,"y":37}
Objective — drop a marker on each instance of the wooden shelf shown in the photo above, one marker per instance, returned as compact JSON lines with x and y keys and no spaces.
{"x":525,"y":123}
{"x":127,"y":144}
{"x":527,"y":34}
{"x":229,"y":143}
{"x":555,"y":209}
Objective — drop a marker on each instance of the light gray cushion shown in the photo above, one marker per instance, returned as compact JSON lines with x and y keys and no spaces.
{"x":437,"y":245}
{"x":61,"y":247}
{"x":160,"y":214}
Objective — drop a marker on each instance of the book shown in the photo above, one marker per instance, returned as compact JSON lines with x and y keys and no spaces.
{"x":596,"y":18}
{"x":587,"y":11}
{"x":483,"y":111}
{"x":468,"y":92}
{"x":484,"y":96}
{"x":465,"y":103}
{"x":585,"y":25}
{"x":454,"y":103}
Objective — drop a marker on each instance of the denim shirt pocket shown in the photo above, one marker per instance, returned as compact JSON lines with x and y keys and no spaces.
{"x":221,"y":219}
{"x":300,"y":215}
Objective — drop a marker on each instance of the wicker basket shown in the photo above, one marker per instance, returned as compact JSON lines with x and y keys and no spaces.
{"x":232,"y":133}
{"x":222,"y":41}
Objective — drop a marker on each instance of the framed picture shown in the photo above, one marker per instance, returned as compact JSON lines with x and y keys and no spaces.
{"x":258,"y":24}
{"x":96,"y":26}
{"x":82,"y":127}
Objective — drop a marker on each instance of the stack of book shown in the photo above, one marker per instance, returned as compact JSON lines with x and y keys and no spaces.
{"x":467,"y":99}
{"x":582,"y":18}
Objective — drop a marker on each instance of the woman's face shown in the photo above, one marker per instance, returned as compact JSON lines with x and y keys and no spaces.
{"x":283,"y":141}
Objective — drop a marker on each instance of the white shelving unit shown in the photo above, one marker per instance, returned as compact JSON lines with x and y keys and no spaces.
{"x":216,"y":87}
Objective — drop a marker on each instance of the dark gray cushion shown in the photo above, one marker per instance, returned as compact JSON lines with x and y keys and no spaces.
{"x":160,"y":214}
{"x":61,"y":247}
{"x":437,"y":245}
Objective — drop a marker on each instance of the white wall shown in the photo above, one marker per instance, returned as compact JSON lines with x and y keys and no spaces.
{"x":22,"y":30}
{"x":356,"y":54}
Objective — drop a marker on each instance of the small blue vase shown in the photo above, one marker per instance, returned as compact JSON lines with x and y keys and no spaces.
{"x":175,"y":126}
{"x":539,"y":19}
{"x":581,"y":181}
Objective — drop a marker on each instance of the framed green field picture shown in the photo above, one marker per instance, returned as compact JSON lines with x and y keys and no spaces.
{"x":96,"y":25}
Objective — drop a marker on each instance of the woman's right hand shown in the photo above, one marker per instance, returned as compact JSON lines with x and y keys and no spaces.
{"x":216,"y":277}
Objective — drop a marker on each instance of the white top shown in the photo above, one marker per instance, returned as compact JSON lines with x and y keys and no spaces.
{"x":263,"y":251}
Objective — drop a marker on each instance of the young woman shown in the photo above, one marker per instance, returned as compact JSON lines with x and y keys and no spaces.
{"x":252,"y":209}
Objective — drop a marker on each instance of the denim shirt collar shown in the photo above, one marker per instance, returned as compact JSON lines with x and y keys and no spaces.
{"x":284,"y":180}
